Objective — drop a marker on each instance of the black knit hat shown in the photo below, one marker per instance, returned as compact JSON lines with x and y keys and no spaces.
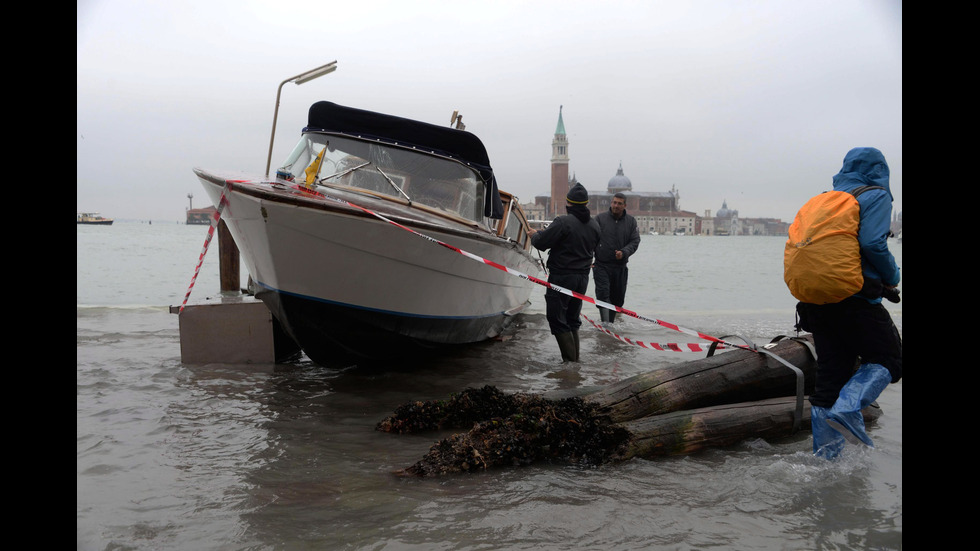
{"x":577,"y":195}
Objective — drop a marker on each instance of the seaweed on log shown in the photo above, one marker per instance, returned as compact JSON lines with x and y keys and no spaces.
{"x":684,"y":408}
{"x":460,"y":411}
{"x":567,"y":430}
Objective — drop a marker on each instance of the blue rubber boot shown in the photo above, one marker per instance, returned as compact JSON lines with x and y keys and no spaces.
{"x":827,"y":442}
{"x":864,"y":387}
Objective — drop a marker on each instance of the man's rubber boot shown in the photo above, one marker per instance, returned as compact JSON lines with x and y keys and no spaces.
{"x":827,"y":442}
{"x":603,"y":314}
{"x":864,"y":387}
{"x":566,"y":344}
{"x":612,"y":316}
{"x":575,"y":339}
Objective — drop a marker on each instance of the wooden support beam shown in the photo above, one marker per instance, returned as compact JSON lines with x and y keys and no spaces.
{"x":228,"y":267}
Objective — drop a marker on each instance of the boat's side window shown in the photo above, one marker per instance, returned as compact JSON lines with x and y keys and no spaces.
{"x":514,"y":227}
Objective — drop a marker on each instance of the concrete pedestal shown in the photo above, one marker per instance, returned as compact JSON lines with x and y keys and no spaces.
{"x":231,"y":330}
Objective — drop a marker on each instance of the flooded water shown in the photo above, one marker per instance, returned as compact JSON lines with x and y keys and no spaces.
{"x":284,"y":457}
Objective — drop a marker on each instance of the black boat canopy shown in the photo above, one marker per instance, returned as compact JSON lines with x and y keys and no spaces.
{"x":459,"y":145}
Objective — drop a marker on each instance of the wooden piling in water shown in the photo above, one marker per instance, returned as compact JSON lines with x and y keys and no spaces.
{"x":228,"y":268}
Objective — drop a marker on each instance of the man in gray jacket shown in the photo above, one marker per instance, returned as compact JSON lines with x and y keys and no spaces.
{"x":619,"y":239}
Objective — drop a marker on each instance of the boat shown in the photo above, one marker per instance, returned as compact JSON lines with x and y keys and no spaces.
{"x":342,"y":243}
{"x":200,"y":217}
{"x":92,"y":218}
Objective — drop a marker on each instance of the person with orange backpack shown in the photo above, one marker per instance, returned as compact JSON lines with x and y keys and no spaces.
{"x":837,"y":264}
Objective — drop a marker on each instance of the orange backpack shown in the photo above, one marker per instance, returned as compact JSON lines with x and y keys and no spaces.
{"x":822,"y":257}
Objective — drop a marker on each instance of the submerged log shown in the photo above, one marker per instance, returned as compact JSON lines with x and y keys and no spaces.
{"x":726,"y":378}
{"x":691,"y":431}
{"x":685,"y":408}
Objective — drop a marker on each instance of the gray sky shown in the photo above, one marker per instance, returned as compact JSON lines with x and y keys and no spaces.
{"x":754,"y":102}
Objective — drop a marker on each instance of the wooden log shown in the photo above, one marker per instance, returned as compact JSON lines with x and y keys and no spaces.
{"x":730,"y":377}
{"x":569,"y":431}
{"x":725,"y":378}
{"x":684,"y":408}
{"x":691,"y":431}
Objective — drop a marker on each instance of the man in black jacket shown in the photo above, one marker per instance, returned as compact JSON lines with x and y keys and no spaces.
{"x":572,"y":239}
{"x":619,"y":240}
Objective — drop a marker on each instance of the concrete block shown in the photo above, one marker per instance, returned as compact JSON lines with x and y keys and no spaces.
{"x":231,"y":330}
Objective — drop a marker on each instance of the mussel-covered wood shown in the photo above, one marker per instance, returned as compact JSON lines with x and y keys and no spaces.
{"x":460,"y":411}
{"x":711,"y":402}
{"x":566,"y":430}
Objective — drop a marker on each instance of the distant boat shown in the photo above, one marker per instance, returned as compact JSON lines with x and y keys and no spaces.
{"x":92,"y":218}
{"x":201,"y":217}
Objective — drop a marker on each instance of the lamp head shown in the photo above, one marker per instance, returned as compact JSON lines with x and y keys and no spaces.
{"x":316,"y":73}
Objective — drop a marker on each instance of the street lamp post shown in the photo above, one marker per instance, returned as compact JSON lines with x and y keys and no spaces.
{"x":298,"y":79}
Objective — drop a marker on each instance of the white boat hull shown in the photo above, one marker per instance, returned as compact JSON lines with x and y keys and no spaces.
{"x":348,"y":286}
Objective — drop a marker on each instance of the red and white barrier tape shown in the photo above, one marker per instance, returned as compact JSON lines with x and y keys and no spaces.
{"x":207,"y":241}
{"x":663,"y":347}
{"x":542,"y":282}
{"x":673,"y":347}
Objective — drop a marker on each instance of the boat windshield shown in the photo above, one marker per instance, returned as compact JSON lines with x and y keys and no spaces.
{"x":322,"y":159}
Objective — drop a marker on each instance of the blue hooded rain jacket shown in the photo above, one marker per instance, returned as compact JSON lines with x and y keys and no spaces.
{"x":867,"y":166}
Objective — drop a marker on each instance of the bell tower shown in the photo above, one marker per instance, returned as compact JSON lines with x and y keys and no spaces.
{"x":559,"y":168}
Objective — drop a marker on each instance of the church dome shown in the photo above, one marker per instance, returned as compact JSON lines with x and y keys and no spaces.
{"x":620,"y":182}
{"x":724,"y":211}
